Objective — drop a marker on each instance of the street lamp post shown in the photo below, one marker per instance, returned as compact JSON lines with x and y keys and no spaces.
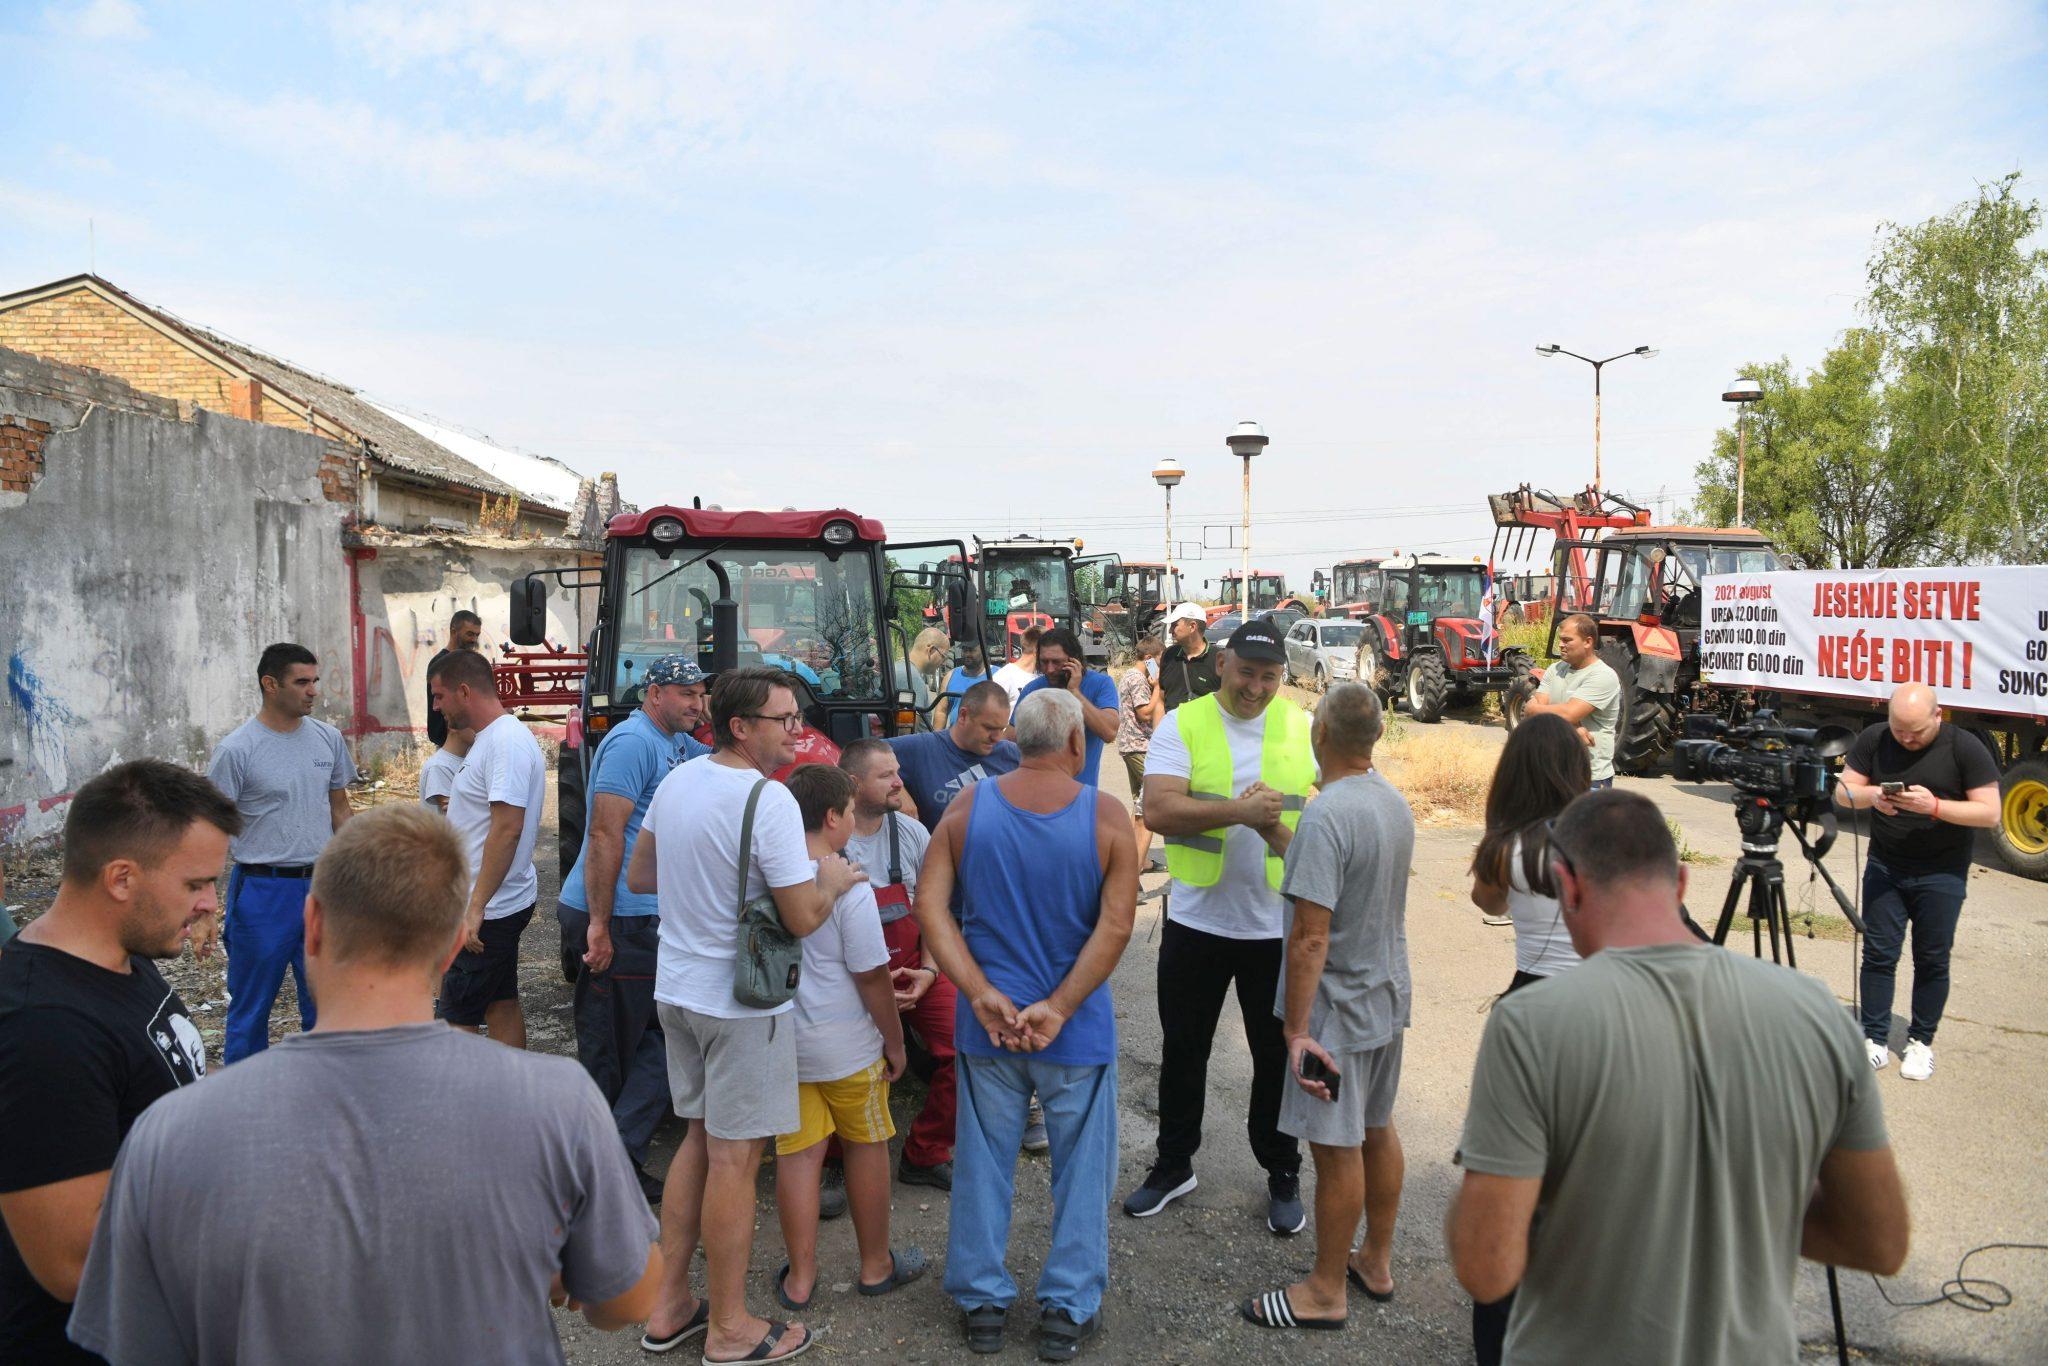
{"x":1555,"y":350}
{"x":1742,"y":393}
{"x":1247,"y":441}
{"x":1166,"y":474}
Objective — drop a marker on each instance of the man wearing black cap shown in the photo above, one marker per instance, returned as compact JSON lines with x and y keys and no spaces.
{"x":1225,"y":781}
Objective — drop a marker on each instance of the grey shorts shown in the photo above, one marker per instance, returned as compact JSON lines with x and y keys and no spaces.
{"x":736,"y":1077}
{"x":1365,"y":1099}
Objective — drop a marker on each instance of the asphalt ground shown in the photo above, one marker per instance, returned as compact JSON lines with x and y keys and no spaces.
{"x":1970,"y":1142}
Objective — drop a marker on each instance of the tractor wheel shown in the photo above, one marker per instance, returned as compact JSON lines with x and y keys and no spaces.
{"x":1371,"y":669}
{"x":569,"y":834}
{"x":1648,"y":720}
{"x":1428,"y":687}
{"x":1518,"y":692}
{"x":2023,"y":818}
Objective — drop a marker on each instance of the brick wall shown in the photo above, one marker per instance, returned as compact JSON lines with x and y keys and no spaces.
{"x":82,"y":328}
{"x":21,"y":453}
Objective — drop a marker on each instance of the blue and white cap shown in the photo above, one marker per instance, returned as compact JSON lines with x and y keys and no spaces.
{"x":678,"y":670}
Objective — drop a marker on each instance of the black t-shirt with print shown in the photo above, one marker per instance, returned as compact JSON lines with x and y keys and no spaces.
{"x":1954,"y":762}
{"x":1182,"y":679}
{"x":83,"y":1051}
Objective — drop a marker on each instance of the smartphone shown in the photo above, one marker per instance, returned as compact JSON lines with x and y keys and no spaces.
{"x":1314,"y":1068}
{"x":1891,"y":789}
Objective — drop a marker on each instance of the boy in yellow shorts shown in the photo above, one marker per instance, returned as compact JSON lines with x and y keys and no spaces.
{"x":849,"y":1047}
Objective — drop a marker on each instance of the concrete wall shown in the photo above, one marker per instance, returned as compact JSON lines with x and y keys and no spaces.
{"x":409,"y":590}
{"x":145,"y":570}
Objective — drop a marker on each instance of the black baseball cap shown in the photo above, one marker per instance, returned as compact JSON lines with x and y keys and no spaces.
{"x":1258,"y":639}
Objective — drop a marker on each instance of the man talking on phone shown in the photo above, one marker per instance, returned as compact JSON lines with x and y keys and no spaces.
{"x":1061,"y":665}
{"x":1931,"y":785}
{"x":1344,"y":1006}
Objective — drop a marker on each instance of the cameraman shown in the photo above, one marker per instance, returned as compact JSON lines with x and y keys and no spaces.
{"x":1931,"y":785}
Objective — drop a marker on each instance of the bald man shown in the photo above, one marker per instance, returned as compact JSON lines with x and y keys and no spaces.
{"x":1930,"y":785}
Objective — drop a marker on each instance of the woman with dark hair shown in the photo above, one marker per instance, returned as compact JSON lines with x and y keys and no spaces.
{"x":1543,"y":767}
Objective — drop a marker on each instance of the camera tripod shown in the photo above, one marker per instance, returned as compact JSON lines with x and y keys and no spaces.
{"x":1762,"y":821}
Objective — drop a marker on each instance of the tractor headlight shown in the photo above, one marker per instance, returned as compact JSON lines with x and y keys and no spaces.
{"x":667,"y":530}
{"x":838,"y":533}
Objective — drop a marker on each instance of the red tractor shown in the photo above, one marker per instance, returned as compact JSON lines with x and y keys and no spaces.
{"x":1428,"y":637}
{"x":1268,"y":594}
{"x":1641,"y":586}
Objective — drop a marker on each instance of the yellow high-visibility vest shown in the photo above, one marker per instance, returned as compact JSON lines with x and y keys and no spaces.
{"x":1287,"y":764}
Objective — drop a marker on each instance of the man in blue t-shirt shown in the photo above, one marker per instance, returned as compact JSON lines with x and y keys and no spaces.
{"x":938,"y":765}
{"x":1061,"y":665}
{"x":611,"y":929}
{"x":971,"y":670}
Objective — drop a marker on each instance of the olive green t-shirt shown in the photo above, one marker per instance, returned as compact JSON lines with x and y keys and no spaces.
{"x":1599,"y":685}
{"x":1676,"y":1102}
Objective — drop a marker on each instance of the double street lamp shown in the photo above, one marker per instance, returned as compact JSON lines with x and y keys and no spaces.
{"x":1245,"y":442}
{"x":1555,"y":350}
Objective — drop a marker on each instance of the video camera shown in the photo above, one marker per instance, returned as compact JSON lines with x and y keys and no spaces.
{"x":1790,"y":767}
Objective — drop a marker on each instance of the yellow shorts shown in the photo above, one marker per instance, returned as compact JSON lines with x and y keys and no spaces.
{"x":856,"y":1108}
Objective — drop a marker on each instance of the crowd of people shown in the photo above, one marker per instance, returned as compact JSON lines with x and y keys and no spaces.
{"x":764,"y":959}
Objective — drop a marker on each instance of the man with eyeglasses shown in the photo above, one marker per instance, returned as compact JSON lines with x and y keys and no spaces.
{"x":1656,"y":1137}
{"x":732,"y":1068}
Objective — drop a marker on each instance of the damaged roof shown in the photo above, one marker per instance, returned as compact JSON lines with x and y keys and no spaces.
{"x":391,"y":441}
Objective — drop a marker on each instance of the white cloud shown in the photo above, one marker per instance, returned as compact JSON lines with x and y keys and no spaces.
{"x":99,"y":21}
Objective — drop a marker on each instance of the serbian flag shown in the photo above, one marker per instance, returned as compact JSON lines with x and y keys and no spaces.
{"x":1488,"y":637}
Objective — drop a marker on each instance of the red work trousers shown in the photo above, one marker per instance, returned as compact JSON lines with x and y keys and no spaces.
{"x":930,"y":1140}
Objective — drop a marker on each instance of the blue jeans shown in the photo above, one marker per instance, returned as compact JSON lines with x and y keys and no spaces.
{"x":1080,"y":1121}
{"x":1932,"y":902}
{"x":264,"y":934}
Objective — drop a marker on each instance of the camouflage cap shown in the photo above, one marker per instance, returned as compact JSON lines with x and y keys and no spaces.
{"x":679,"y":670}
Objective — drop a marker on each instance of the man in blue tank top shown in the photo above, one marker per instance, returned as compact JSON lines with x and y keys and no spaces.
{"x":1048,"y":875}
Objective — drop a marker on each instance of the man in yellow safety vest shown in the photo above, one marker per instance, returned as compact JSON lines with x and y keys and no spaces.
{"x":1225,"y":780}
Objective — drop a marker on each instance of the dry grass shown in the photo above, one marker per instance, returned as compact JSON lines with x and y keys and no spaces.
{"x":1444,"y":773}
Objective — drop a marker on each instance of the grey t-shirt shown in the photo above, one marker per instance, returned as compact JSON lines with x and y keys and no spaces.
{"x":871,"y":852}
{"x":1352,"y":853}
{"x":399,"y":1194}
{"x":1600,"y":686}
{"x":1676,"y":1102}
{"x":279,"y":781}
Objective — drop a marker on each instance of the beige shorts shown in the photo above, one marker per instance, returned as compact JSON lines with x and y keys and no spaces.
{"x":736,"y":1077}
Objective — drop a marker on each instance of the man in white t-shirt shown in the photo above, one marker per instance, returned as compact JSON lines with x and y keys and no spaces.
{"x":495,"y":807}
{"x":732,"y":1068}
{"x":1021,"y":672}
{"x":1226,"y":777}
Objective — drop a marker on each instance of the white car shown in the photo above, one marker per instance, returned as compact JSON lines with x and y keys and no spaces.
{"x":1322,"y":652}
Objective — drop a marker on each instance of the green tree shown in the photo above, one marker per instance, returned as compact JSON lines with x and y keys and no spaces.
{"x":1962,"y":302}
{"x":1827,"y":477}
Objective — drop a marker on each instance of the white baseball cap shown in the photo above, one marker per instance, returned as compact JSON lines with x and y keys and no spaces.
{"x":1187,"y":611}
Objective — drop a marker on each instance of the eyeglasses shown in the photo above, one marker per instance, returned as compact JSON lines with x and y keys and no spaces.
{"x":793,"y":720}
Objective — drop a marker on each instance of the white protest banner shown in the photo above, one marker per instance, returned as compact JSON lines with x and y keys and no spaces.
{"x":1979,"y":637}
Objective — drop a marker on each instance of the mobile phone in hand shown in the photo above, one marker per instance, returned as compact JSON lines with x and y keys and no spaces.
{"x":1314,"y":1068}
{"x":1891,"y":789}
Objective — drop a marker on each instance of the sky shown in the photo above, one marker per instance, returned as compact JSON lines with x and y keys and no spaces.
{"x":974,"y":268}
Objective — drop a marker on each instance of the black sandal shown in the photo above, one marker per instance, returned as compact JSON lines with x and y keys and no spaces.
{"x":765,"y":1349}
{"x":1351,"y":1275}
{"x":904,"y":1268}
{"x":699,"y":1321}
{"x":1271,"y":1310}
{"x":783,"y":1295}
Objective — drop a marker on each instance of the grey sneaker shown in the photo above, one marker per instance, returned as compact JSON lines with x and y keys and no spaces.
{"x":1035,"y":1140}
{"x":832,"y":1192}
{"x":1284,"y":1212}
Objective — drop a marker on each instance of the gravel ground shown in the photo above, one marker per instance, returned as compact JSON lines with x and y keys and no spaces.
{"x":1175,"y":1280}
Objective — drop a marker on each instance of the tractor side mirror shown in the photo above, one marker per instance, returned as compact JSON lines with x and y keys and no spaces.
{"x":529,"y":624}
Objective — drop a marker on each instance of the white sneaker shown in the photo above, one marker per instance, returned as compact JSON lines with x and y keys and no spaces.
{"x":1878,"y":1053}
{"x":1918,"y":1064}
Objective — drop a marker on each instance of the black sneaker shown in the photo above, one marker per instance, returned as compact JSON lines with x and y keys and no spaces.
{"x":832,"y":1192}
{"x":939,"y":1176}
{"x":1060,"y":1335}
{"x":985,"y":1325}
{"x":1284,"y":1212}
{"x":1162,"y":1187}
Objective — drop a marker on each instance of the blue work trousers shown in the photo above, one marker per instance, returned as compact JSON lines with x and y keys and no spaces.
{"x":264,"y":934}
{"x":1080,"y":1122}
